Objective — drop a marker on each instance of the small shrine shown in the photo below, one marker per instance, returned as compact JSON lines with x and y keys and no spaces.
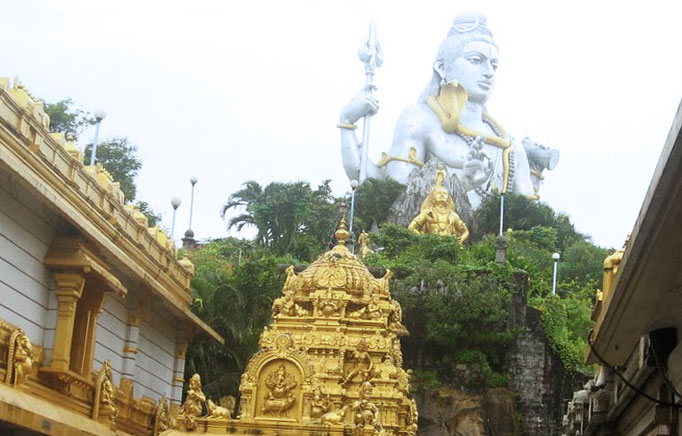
{"x":330,"y":363}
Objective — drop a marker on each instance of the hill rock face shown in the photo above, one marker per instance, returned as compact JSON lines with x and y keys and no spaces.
{"x":453,"y":412}
{"x":531,"y":406}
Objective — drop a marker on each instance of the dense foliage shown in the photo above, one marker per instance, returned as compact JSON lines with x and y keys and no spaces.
{"x":291,"y":218}
{"x":456,"y":303}
{"x":233,"y":288}
{"x":118,"y":155}
{"x":66,"y":118}
{"x":456,"y":300}
{"x":373,"y":201}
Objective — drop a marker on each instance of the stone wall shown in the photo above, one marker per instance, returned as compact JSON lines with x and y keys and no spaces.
{"x":452,"y":412}
{"x":537,"y":375}
{"x":533,"y":404}
{"x":26,"y":230}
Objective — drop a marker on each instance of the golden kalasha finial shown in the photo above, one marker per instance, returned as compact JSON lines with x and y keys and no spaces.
{"x":342,"y":234}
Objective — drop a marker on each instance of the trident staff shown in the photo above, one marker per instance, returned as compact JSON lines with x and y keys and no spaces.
{"x":370,"y":54}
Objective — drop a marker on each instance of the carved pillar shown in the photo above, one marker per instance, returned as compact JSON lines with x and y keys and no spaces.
{"x":179,"y":369}
{"x":132,"y":335}
{"x":69,"y":290}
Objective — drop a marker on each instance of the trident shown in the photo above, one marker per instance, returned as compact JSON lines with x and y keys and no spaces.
{"x":370,"y":54}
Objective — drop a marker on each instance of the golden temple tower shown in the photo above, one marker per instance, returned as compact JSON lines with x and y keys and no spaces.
{"x":331,"y":360}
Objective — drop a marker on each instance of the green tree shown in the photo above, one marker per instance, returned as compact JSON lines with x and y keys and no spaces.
{"x":66,"y":118}
{"x":153,"y":217}
{"x":373,"y":201}
{"x":519,"y":214}
{"x":119,"y":157}
{"x":291,"y":218}
{"x":233,"y":288}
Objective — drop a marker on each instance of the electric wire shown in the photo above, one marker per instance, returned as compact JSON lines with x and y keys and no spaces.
{"x":626,"y":381}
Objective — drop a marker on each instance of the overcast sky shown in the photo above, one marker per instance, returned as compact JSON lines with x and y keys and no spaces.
{"x":233,"y":91}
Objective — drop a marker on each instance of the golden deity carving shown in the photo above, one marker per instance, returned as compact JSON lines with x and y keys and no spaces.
{"x":328,"y":305}
{"x":280,"y":397}
{"x":364,"y":241}
{"x":361,"y":363}
{"x":338,"y":369}
{"x":320,"y":404}
{"x":366,"y":413}
{"x":371,"y":311}
{"x":286,"y":305}
{"x":438,"y":214}
{"x":412,"y":418}
{"x":336,"y":417}
{"x":19,"y":358}
{"x":162,"y":418}
{"x":105,"y":409}
{"x":218,"y":412}
{"x":193,"y":405}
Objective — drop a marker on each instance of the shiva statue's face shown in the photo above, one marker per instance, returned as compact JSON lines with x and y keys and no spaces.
{"x":474,"y":69}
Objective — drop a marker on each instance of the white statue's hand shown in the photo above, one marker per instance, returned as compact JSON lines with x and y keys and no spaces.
{"x":477,"y":165}
{"x":364,"y":103}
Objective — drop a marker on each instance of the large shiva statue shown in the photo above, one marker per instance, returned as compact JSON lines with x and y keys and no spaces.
{"x":450,"y":123}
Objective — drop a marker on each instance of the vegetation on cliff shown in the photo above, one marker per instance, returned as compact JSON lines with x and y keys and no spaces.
{"x":456,"y":300}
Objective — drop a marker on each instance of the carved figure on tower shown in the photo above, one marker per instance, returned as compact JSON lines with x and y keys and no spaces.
{"x":194,"y":401}
{"x":438,"y":215}
{"x":19,"y":358}
{"x":280,"y":398}
{"x":450,"y":123}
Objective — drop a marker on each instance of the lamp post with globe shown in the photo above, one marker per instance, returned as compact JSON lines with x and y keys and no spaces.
{"x":99,"y":116}
{"x":555,"y":258}
{"x":175,"y":202}
{"x":188,"y":241}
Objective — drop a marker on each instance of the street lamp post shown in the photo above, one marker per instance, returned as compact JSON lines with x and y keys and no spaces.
{"x":188,"y":241}
{"x":175,"y":202}
{"x":99,"y":116}
{"x":353,"y":187}
{"x":556,"y":258}
{"x":501,"y":215}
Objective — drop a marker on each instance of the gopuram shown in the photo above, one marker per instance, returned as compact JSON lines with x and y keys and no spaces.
{"x":330,"y":363}
{"x":449,"y":126}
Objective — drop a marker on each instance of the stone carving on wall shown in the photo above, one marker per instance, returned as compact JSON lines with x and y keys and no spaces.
{"x":104,"y":408}
{"x":20,"y":358}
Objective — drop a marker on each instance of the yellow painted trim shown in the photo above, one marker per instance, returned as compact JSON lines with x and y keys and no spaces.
{"x":32,"y":413}
{"x":131,"y":350}
{"x":64,"y":184}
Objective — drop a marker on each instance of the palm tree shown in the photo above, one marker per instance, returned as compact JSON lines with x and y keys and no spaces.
{"x":291,"y":218}
{"x":250,"y":194}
